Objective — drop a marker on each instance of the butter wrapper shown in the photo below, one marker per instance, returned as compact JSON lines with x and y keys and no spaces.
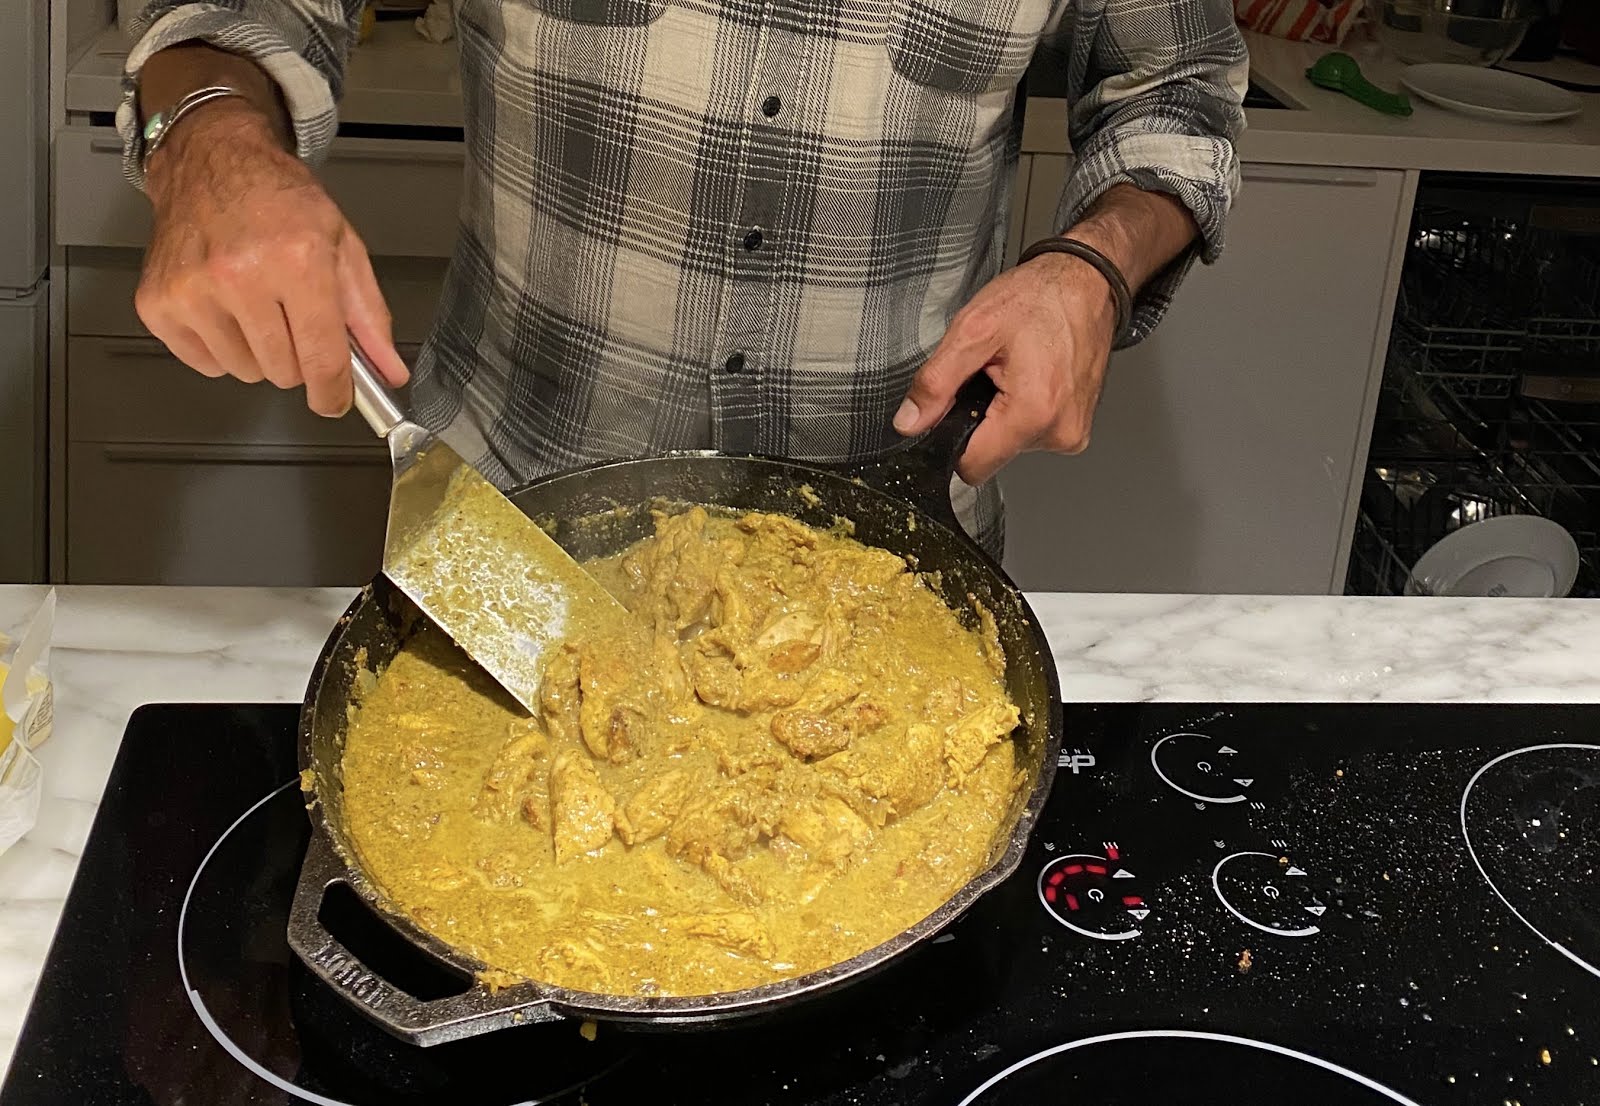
{"x":28,"y":702}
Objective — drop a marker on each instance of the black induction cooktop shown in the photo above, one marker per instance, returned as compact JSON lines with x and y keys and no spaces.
{"x":1249,"y":905}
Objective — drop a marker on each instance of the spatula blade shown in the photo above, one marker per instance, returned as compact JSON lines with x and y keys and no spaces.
{"x":484,"y":572}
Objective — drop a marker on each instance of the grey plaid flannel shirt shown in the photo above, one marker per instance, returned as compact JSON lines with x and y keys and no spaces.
{"x":744,"y":224}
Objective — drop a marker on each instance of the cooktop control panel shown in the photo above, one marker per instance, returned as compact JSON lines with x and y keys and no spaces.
{"x":1390,"y":871}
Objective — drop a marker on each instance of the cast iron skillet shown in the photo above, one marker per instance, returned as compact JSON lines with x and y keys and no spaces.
{"x":899,"y":502}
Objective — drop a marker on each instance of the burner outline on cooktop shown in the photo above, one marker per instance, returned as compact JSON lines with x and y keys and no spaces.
{"x":239,"y":1055}
{"x":1156,"y":764}
{"x":1466,"y":837}
{"x":1192,"y":1035}
{"x":1216,"y":885}
{"x":1049,"y":907}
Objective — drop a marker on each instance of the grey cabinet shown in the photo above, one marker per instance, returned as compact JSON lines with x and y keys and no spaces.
{"x":23,"y":328}
{"x":401,"y":195}
{"x":172,"y":478}
{"x":1226,"y":449}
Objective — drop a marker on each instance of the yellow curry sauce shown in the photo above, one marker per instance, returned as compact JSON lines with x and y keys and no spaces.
{"x":813,"y":757}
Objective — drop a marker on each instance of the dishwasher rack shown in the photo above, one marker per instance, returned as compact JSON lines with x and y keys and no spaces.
{"x":1491,"y":393}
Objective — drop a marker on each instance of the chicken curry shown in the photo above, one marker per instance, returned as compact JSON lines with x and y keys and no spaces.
{"x":812,"y":754}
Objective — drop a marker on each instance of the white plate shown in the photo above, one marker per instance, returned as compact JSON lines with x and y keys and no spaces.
{"x":1519,"y":556}
{"x":1490,"y":93}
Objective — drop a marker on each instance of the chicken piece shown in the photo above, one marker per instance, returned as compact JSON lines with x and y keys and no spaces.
{"x":792,"y":642}
{"x":611,"y":726}
{"x":677,"y":573}
{"x":560,"y":695}
{"x":827,"y":829}
{"x":810,"y":736}
{"x":737,"y":932}
{"x":725,"y":821}
{"x":536,"y":811}
{"x":850,"y":571}
{"x":994,"y":655}
{"x":653,"y":807}
{"x":670,"y":675}
{"x":966,"y":741}
{"x":904,"y":778}
{"x":817,"y":727}
{"x":511,"y":770}
{"x":582,"y":812}
{"x":868,"y":717}
{"x":735,"y":881}
{"x":779,"y":530}
{"x":712,"y":670}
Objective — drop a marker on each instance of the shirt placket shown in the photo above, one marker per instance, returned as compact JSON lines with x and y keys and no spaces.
{"x":740,"y":370}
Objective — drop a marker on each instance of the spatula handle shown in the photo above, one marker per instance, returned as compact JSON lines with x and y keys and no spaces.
{"x":373,"y":398}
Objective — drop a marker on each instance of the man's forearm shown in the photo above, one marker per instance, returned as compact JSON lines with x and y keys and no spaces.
{"x":173,"y":73}
{"x":1142,"y":232}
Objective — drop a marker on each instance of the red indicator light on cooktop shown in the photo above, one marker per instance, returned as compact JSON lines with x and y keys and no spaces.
{"x":1071,"y":869}
{"x":1095,"y":869}
{"x":1049,"y":894}
{"x":1132,"y":900}
{"x":1072,"y":902}
{"x":1056,"y":878}
{"x":1111,"y":852}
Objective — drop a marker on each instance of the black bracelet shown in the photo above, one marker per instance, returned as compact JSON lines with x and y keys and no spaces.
{"x":1121,"y":298}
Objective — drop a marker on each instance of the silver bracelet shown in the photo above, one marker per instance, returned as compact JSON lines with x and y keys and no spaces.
{"x":159,"y":125}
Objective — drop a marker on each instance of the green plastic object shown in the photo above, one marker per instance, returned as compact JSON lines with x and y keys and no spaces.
{"x":1341,"y":73}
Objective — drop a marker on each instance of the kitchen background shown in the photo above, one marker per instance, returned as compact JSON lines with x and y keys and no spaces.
{"x":1403,"y":338}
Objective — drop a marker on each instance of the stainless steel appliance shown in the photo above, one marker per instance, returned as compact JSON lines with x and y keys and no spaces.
{"x":24,"y":255}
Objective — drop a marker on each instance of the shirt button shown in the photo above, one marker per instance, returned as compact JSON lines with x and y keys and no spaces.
{"x":734,"y":363}
{"x":752,"y":241}
{"x":771,"y":106}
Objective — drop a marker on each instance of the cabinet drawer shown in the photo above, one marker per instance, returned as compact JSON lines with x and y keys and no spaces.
{"x":133,"y":390}
{"x":259,"y":515}
{"x":101,"y":283}
{"x":401,"y":195}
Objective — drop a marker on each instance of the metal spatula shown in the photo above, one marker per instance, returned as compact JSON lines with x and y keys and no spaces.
{"x":482,"y":570}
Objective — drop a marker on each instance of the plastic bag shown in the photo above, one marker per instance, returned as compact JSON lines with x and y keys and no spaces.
{"x":28,"y":703}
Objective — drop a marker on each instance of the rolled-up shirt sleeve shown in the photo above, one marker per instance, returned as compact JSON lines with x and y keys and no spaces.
{"x":1156,"y":93}
{"x":301,"y":44}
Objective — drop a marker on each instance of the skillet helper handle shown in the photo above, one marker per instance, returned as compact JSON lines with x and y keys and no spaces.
{"x":374,"y":399}
{"x":922,"y":469}
{"x":419,"y":1021}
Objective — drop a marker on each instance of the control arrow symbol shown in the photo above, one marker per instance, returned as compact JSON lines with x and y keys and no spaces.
{"x":1228,"y":751}
{"x":1122,"y":873}
{"x":1244,"y":783}
{"x":1293,"y":871}
{"x":1140,"y":914}
{"x":1317,"y":910}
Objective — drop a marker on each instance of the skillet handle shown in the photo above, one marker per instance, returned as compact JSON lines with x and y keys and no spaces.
{"x":418,"y":1021}
{"x":920,"y":470}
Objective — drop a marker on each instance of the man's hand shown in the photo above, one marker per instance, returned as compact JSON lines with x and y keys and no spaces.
{"x":1043,"y":332}
{"x":252,"y":270}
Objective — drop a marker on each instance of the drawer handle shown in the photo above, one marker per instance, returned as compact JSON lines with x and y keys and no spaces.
{"x":173,"y":454}
{"x":110,"y":144}
{"x":133,"y":347}
{"x":154,"y":347}
{"x":452,"y":153}
{"x":1287,"y":174}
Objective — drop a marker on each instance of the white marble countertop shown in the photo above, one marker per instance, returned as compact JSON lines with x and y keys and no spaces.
{"x":397,"y":78}
{"x":116,"y":648}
